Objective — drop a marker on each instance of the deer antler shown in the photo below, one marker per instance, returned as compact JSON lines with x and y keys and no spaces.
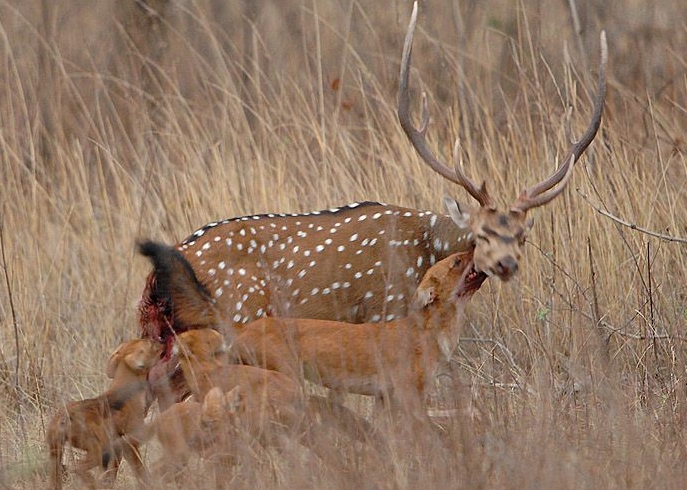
{"x":544,"y":191}
{"x":417,"y":136}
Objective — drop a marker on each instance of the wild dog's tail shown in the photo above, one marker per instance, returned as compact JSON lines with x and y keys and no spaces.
{"x":176,"y":286}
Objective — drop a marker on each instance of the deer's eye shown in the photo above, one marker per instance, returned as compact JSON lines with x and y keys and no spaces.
{"x":483,"y":238}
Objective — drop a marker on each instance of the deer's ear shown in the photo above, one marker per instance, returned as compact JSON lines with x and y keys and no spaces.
{"x":423,"y":297}
{"x":460,"y":218}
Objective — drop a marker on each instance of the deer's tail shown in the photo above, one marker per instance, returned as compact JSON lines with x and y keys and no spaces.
{"x":174,"y":287}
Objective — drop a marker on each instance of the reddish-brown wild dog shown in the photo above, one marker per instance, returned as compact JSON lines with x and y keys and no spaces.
{"x":273,"y":405}
{"x":393,"y":360}
{"x":98,"y":424}
{"x":192,"y":427}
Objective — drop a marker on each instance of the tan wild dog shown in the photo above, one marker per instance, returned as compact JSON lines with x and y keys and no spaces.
{"x":273,"y":404}
{"x":97,"y":425}
{"x":392,"y":360}
{"x":191,"y":427}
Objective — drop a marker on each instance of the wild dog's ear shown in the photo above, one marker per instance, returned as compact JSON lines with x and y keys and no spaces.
{"x":113,"y":362}
{"x":222,"y":348}
{"x":233,"y":401}
{"x":460,"y":218}
{"x":213,"y":405}
{"x":424,"y":296}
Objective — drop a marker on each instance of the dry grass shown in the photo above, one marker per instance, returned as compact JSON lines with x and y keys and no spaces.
{"x":115,"y":126}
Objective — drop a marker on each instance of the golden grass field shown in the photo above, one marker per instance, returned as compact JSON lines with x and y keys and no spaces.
{"x":117,"y":125}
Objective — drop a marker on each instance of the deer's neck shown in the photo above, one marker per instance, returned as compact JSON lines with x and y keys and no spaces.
{"x":446,"y":238}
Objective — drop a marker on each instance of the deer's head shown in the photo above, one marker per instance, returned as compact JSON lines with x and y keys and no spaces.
{"x":498,"y":233}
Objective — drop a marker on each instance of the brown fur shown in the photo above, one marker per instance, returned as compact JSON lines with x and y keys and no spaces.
{"x":97,"y":425}
{"x":174,"y":279}
{"x":394,"y":359}
{"x":192,"y":427}
{"x":273,"y":404}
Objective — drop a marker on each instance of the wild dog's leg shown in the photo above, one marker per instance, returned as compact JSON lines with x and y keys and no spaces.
{"x":91,"y":459}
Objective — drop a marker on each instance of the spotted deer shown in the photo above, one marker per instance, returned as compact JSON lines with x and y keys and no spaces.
{"x":360,"y":262}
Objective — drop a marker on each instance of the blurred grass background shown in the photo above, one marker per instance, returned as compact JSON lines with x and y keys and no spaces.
{"x":147,"y":119}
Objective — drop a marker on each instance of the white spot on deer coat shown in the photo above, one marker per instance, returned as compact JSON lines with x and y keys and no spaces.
{"x":354,"y":237}
{"x":369,"y":295}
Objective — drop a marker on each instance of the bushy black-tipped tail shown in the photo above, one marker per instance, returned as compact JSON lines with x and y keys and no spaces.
{"x":176,"y":284}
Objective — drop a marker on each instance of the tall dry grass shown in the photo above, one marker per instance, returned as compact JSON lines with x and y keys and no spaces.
{"x":117,"y":124}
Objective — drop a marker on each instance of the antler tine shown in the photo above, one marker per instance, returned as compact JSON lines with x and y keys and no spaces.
{"x":417,"y":136}
{"x":529,"y":202}
{"x":481,"y":194}
{"x":528,"y":198}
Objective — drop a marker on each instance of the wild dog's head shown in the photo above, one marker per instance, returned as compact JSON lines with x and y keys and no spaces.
{"x":204,"y":344}
{"x":453,"y":277}
{"x":139,"y":355}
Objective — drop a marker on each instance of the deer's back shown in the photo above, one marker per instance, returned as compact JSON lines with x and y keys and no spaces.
{"x":356,"y":263}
